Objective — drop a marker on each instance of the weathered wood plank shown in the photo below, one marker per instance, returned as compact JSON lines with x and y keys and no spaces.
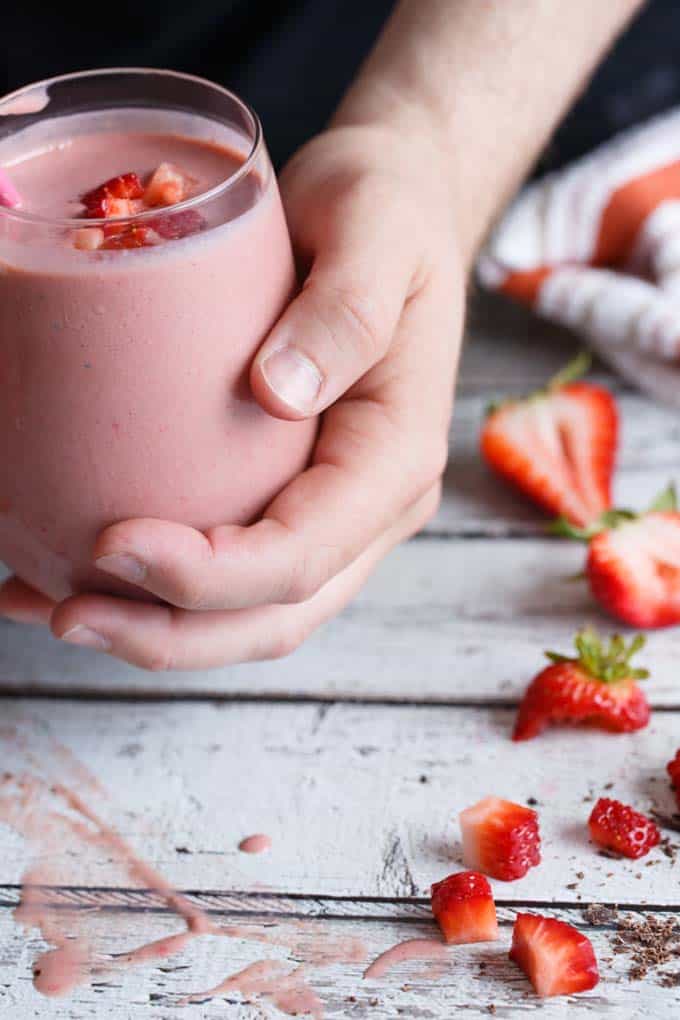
{"x":462,"y":621}
{"x":333,"y":954}
{"x":340,"y":790}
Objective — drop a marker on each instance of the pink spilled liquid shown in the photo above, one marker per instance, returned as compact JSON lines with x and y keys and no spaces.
{"x":257,"y":844}
{"x":413,"y":949}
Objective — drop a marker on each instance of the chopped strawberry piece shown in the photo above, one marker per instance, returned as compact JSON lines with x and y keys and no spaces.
{"x":88,"y":238}
{"x":111,"y":198}
{"x":557,"y":958}
{"x":616,"y":826}
{"x":597,"y":687}
{"x":177,"y":225}
{"x":500,"y":838}
{"x":168,"y":185}
{"x":673,"y":769}
{"x":557,"y":446}
{"x":464,"y":908}
{"x":131,"y":237}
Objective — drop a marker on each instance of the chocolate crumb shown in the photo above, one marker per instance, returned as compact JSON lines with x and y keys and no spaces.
{"x":609,"y":786}
{"x":482,"y":965}
{"x":572,"y":885}
{"x":182,"y":850}
{"x":597,"y":913}
{"x":532,"y":802}
{"x":491,"y":1009}
{"x":372,"y":1002}
{"x":423,"y":779}
{"x":580,"y":875}
{"x":650,"y":943}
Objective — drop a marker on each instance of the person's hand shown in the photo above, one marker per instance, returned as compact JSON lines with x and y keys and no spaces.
{"x":372,"y":341}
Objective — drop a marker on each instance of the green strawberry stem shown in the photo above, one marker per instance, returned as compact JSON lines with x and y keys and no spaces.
{"x":665,"y":502}
{"x":608,"y":663}
{"x":576,"y":369}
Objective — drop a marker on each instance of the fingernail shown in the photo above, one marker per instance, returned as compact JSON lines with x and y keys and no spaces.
{"x":86,"y":638}
{"x":124,"y":566}
{"x":293,"y":377}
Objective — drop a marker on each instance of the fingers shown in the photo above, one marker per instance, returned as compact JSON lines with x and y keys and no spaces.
{"x":161,"y":638}
{"x":344,"y":319}
{"x":22,"y":604}
{"x":373,"y":459}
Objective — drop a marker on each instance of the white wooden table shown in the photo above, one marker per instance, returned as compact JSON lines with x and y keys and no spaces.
{"x":355,"y":756}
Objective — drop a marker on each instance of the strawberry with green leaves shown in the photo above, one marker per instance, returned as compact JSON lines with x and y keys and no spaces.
{"x":633,"y":564}
{"x":598,"y":687}
{"x":558,"y":445}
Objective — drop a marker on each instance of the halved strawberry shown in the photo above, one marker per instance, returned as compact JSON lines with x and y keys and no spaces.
{"x":167,"y":186}
{"x":500,"y":838}
{"x":557,"y":958}
{"x":464,"y":908}
{"x":615,"y":826}
{"x":558,"y":445}
{"x":673,"y":769}
{"x":598,"y":686}
{"x":110,"y":198}
{"x":633,"y":564}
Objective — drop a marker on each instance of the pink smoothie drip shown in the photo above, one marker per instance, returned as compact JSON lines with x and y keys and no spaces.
{"x":257,"y":844}
{"x":269,"y":978}
{"x":413,"y":949}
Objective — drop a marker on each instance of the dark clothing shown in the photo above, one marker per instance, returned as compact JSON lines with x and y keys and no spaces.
{"x":293,"y":60}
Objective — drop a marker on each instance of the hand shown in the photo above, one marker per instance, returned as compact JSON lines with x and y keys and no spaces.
{"x":372,"y":341}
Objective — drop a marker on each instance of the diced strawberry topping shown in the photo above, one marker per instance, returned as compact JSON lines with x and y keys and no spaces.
{"x":131,"y":237}
{"x":88,"y":238}
{"x":673,"y":769}
{"x":177,"y":225}
{"x":557,"y":958}
{"x":464,"y":908}
{"x":500,"y":838}
{"x":615,"y":826}
{"x":168,"y":185}
{"x":111,"y":198}
{"x":597,"y":687}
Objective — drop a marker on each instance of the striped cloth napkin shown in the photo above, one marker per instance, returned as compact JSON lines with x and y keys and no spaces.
{"x":596,"y":247}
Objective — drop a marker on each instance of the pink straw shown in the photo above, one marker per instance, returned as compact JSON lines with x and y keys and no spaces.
{"x":9,"y":196}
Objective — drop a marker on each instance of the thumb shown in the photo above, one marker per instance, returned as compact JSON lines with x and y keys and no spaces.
{"x":337,"y":328}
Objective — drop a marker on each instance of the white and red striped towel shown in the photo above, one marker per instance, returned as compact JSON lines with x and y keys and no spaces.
{"x":596,"y":247}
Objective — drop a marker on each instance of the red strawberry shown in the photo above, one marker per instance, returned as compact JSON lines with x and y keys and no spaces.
{"x":557,"y":959}
{"x":177,"y":225}
{"x":598,"y":687}
{"x":558,"y":445}
{"x":616,"y":826}
{"x":673,"y":769}
{"x":132,"y":236}
{"x":464,"y":908}
{"x":500,"y":838}
{"x":111,"y":198}
{"x":167,"y":186}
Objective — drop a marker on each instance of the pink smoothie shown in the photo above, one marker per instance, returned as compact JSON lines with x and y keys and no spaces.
{"x":124,"y":374}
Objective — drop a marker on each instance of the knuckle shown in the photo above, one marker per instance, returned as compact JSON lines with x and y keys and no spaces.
{"x":308,"y":576}
{"x":432,"y":463}
{"x":350,"y":318}
{"x":155,"y":660}
{"x":284,"y":644}
{"x":189,"y":593}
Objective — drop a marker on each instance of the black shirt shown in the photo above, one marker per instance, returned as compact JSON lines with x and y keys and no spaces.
{"x":293,"y":60}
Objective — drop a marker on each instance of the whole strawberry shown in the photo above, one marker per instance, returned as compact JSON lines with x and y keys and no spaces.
{"x":673,"y":769}
{"x":558,"y":445}
{"x":633,"y":564}
{"x":598,"y":687}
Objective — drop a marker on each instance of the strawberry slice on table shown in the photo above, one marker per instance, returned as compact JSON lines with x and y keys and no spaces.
{"x":556,"y":957}
{"x":673,"y":769}
{"x":615,"y":826}
{"x":633,"y":564}
{"x":500,"y":839}
{"x":598,"y":687}
{"x":558,"y":445}
{"x":464,"y":908}
{"x":112,"y":198}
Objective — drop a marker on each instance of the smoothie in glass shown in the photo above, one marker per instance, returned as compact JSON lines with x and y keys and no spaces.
{"x":127,"y":326}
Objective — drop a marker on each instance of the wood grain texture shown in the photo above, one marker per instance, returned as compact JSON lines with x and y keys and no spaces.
{"x":467,"y":983}
{"x":359,"y":801}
